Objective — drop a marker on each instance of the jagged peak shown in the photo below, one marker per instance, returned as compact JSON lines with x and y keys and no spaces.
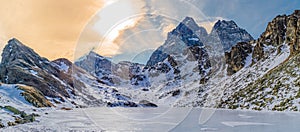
{"x":221,"y":24}
{"x":188,"y":20}
{"x":16,"y":44}
{"x":188,"y":23}
{"x":15,"y":41}
{"x":91,"y":55}
{"x":64,"y":60}
{"x":94,"y":54}
{"x":16,"y":49}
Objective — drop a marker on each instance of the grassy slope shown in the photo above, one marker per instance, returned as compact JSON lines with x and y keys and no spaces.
{"x":277,"y":90}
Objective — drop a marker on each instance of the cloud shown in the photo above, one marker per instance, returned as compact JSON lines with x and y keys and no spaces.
{"x":49,"y":27}
{"x":115,"y":17}
{"x":159,"y":17}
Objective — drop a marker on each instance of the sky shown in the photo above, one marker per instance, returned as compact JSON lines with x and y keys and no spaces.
{"x":122,"y":29}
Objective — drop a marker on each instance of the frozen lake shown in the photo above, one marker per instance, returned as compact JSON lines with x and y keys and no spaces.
{"x":163,"y":119}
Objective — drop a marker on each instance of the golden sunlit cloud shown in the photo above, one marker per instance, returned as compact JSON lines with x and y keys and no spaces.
{"x":115,"y":16}
{"x":50,"y":27}
{"x":110,"y":46}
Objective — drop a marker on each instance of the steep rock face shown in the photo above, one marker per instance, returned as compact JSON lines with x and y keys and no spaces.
{"x":179,"y":39}
{"x":192,"y":41}
{"x":282,"y":29}
{"x":184,"y":42}
{"x":237,"y":57}
{"x":229,"y":34}
{"x":293,"y":32}
{"x":190,"y":23}
{"x":98,"y":66}
{"x":272,"y":81}
{"x":273,"y":36}
{"x":21,"y":65}
{"x":136,"y":75}
{"x":168,"y":69}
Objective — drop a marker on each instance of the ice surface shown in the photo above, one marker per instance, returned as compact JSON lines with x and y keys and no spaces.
{"x":161,"y":119}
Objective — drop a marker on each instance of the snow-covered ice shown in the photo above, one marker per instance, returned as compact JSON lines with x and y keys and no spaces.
{"x":161,"y":119}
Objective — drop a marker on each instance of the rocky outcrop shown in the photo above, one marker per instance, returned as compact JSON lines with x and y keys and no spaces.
{"x":146,"y":103}
{"x":33,"y":96}
{"x":274,"y":35}
{"x":237,"y":57}
{"x":293,"y":32}
{"x":282,"y":29}
{"x":136,"y":75}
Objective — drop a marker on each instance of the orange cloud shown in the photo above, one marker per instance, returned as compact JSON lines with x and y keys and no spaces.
{"x":50,"y":27}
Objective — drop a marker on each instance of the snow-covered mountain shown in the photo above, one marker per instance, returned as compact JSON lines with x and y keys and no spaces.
{"x":59,"y":81}
{"x":223,"y":69}
{"x":261,"y":75}
{"x":186,"y":69}
{"x":113,"y":74}
{"x":272,"y":81}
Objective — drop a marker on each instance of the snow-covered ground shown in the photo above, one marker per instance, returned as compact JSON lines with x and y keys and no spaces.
{"x":161,"y":119}
{"x":11,"y":96}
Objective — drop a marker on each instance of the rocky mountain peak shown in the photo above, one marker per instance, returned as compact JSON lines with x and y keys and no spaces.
{"x":93,"y":61}
{"x":283,"y":29}
{"x":14,"y":41}
{"x":94,"y":54}
{"x":14,"y":45}
{"x":223,"y":24}
{"x":186,"y":34}
{"x":229,"y":33}
{"x":183,"y":50}
{"x":21,"y":65}
{"x":97,"y":65}
{"x":15,"y":50}
{"x":190,"y":23}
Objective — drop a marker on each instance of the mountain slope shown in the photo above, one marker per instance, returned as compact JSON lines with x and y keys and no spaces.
{"x":279,"y":90}
{"x":113,"y":74}
{"x":61,"y":82}
{"x":248,"y":82}
{"x":14,"y":104}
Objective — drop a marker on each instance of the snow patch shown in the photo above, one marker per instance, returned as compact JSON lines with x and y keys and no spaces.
{"x":193,"y":39}
{"x":248,"y":60}
{"x":235,"y":124}
{"x":63,"y":67}
{"x":33,"y":72}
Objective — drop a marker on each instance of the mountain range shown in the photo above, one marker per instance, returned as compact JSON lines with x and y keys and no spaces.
{"x":226,"y":68}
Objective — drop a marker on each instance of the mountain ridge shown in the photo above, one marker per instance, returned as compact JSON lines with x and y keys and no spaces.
{"x":181,"y":69}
